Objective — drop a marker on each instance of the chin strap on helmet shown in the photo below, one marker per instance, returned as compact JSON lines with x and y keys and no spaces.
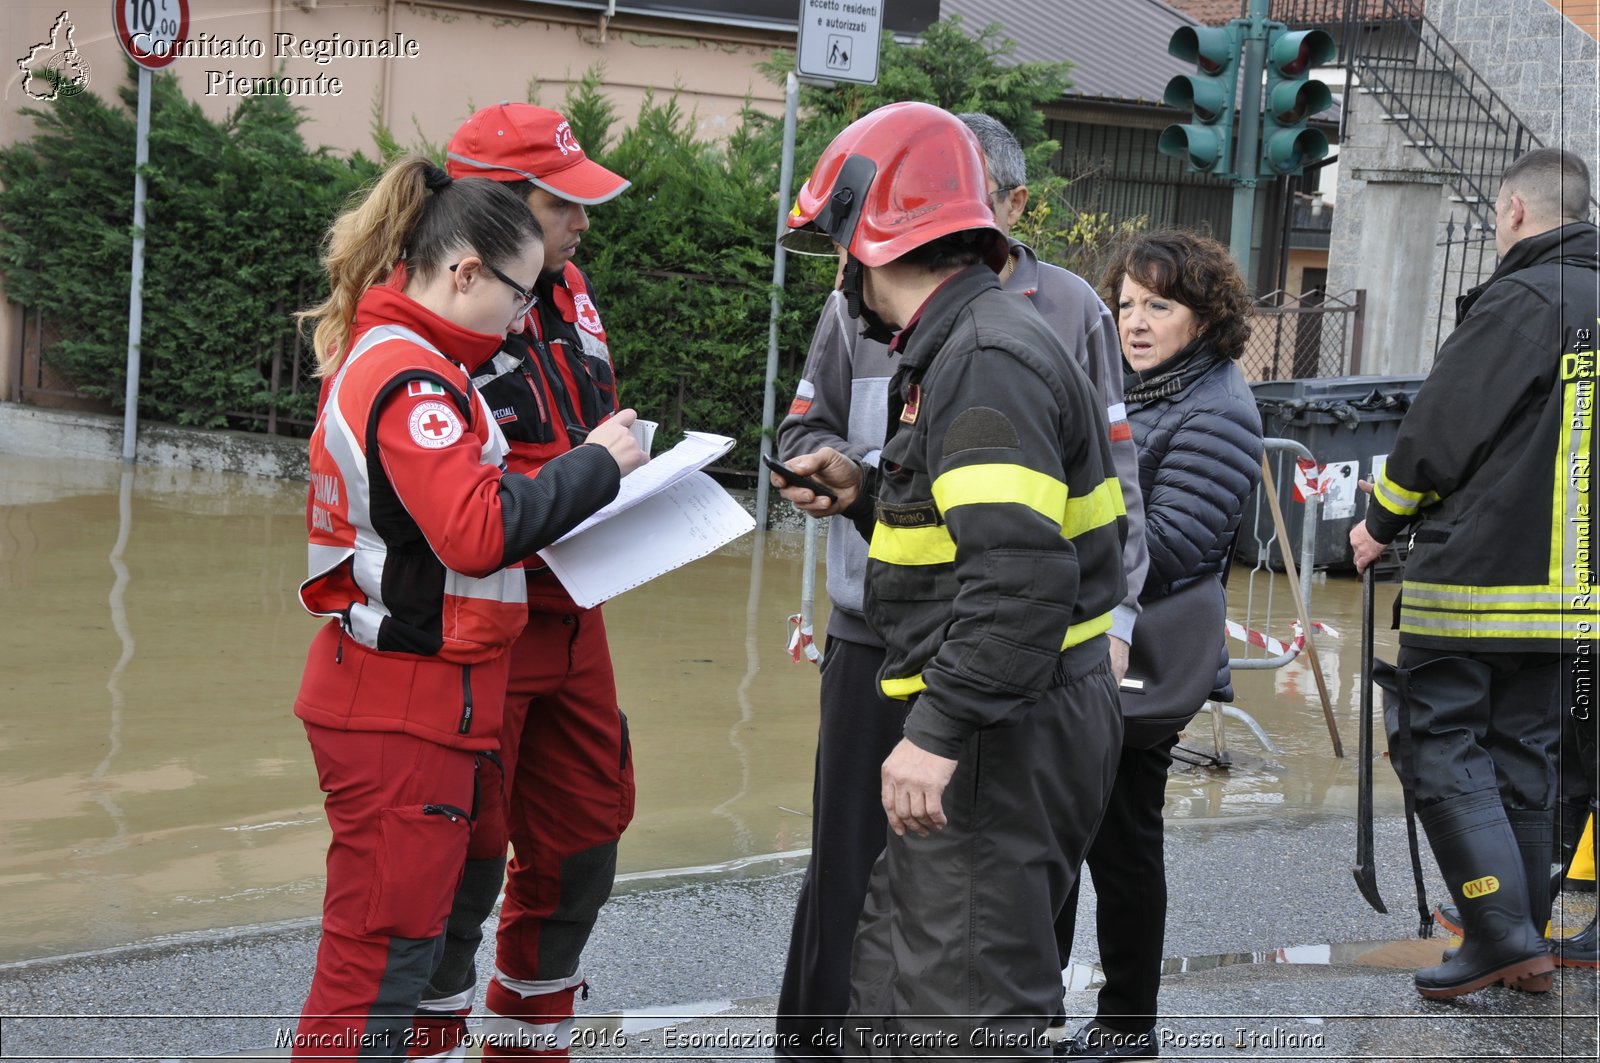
{"x":876,"y":327}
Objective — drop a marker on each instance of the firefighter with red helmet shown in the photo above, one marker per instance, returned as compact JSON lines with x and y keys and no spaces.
{"x":996,"y":528}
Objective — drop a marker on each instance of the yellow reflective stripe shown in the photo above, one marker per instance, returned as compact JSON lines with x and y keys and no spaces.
{"x":1094,"y":510}
{"x":1478,"y":627}
{"x":901,"y":689}
{"x":1571,"y":553}
{"x":1001,"y":483}
{"x":1400,"y":500}
{"x":912,"y":546}
{"x":1088,"y":629}
{"x":1076,"y":635}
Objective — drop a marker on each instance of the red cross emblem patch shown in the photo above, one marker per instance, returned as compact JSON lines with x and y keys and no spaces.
{"x":588,"y":316}
{"x":435,"y":425}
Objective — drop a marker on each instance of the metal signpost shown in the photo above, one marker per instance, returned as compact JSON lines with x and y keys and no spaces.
{"x":149,"y":32}
{"x":839,"y":41}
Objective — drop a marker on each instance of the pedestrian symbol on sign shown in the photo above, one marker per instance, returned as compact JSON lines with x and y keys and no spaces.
{"x":838,"y":51}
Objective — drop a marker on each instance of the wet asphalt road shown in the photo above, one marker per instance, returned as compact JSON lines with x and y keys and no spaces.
{"x":704,"y":958}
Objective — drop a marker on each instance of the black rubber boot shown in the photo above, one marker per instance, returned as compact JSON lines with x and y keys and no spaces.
{"x":1580,"y":950}
{"x":1477,"y":852}
{"x":1533,"y":830}
{"x":1583,"y":948}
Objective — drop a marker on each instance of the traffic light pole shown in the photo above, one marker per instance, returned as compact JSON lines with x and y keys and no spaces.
{"x":1248,"y":139}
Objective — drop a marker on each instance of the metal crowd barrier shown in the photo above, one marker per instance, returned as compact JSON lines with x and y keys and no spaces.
{"x":1263,"y":577}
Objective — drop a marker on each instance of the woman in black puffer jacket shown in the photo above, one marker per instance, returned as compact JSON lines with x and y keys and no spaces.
{"x":1183,"y":315}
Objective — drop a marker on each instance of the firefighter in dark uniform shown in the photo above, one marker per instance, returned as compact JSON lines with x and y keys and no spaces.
{"x":1493,"y":462}
{"x":996,"y":528}
{"x":564,"y":756}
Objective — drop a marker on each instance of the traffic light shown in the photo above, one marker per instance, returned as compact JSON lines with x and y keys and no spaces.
{"x":1206,"y":143}
{"x":1293,"y":95}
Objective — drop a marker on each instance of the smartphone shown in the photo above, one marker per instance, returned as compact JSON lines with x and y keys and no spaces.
{"x":796,"y":480}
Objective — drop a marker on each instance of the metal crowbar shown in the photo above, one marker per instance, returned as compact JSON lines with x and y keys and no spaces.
{"x":1366,"y":871}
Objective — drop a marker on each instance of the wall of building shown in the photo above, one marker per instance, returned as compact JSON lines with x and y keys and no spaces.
{"x":453,"y":57}
{"x":1545,"y":68}
{"x":1585,"y":14}
{"x":1542,"y":63}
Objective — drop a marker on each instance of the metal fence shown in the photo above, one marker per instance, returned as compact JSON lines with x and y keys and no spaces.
{"x":1309,"y":335}
{"x":1468,"y":259}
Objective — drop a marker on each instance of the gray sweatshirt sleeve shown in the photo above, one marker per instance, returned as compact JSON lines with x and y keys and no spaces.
{"x":1105,"y":371}
{"x":820,"y":414}
{"x":1082,"y":320}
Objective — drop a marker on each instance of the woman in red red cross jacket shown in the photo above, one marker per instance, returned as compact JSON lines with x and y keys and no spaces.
{"x":564,"y":744}
{"x":417,"y":534}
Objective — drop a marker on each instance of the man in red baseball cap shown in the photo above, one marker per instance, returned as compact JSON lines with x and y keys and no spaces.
{"x":562,"y":790}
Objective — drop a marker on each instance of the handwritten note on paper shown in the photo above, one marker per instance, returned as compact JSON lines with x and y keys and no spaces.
{"x":666,"y":530}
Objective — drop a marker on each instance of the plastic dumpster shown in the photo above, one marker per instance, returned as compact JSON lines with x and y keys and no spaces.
{"x":1348,"y":423}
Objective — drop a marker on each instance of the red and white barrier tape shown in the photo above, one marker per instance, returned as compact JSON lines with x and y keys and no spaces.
{"x":1272,"y":645}
{"x":802,"y":644}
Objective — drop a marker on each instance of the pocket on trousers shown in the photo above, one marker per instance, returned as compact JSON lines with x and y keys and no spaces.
{"x":422,"y":850}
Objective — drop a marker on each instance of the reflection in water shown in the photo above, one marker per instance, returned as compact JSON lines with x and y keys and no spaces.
{"x":747,"y":712}
{"x":119,"y":622}
{"x":171,"y":788}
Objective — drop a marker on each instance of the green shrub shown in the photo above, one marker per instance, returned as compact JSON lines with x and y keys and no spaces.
{"x":234,"y":215}
{"x":681,"y":262}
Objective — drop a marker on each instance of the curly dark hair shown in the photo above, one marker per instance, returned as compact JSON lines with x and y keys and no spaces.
{"x":1192,"y":270}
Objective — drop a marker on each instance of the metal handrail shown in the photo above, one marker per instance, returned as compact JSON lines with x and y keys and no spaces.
{"x":1473,"y":99}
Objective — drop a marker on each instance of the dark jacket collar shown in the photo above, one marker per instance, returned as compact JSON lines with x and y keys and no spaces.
{"x":1575,"y":244}
{"x":939,"y":313}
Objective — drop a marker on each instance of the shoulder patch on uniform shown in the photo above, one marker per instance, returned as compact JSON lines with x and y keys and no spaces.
{"x":435,"y":425}
{"x":980,"y":428}
{"x":588,"y":316}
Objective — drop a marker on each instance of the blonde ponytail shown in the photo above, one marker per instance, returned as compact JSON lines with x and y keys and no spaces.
{"x":417,"y":211}
{"x":363,"y":247}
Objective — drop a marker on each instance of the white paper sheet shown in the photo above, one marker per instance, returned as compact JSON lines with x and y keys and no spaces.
{"x":697,"y":450}
{"x":669,"y":527}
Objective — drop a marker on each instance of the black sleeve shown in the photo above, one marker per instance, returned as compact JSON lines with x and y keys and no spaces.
{"x":538,"y":510}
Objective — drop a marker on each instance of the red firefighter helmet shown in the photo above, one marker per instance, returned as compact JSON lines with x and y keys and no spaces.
{"x":898,"y":178}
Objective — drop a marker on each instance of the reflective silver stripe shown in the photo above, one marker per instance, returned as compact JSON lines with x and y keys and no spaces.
{"x":1489,"y":596}
{"x":1575,"y":487}
{"x":505,"y":585}
{"x":495,"y":448}
{"x":538,"y":989}
{"x":1479,"y":624}
{"x":365,"y":622}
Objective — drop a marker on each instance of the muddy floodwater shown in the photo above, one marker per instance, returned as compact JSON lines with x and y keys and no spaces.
{"x":153,"y":778}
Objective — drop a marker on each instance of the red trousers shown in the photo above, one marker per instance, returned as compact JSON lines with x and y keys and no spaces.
{"x":399,"y":809}
{"x":569,"y":795}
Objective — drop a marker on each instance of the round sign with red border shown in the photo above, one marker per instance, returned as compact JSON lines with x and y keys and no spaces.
{"x":150,"y":31}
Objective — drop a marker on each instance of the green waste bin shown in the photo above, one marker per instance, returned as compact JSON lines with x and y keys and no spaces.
{"x":1345,"y":422}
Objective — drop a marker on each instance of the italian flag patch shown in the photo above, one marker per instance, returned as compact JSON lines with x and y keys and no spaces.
{"x":424,"y":387}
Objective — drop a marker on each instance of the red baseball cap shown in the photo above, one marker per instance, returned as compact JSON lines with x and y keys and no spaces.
{"x":521,"y":142}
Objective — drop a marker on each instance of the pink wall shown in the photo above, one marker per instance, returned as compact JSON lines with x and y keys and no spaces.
{"x":461,"y":56}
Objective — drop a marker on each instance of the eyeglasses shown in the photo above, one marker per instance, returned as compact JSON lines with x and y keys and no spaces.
{"x":529,"y":299}
{"x":1003,"y":190}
